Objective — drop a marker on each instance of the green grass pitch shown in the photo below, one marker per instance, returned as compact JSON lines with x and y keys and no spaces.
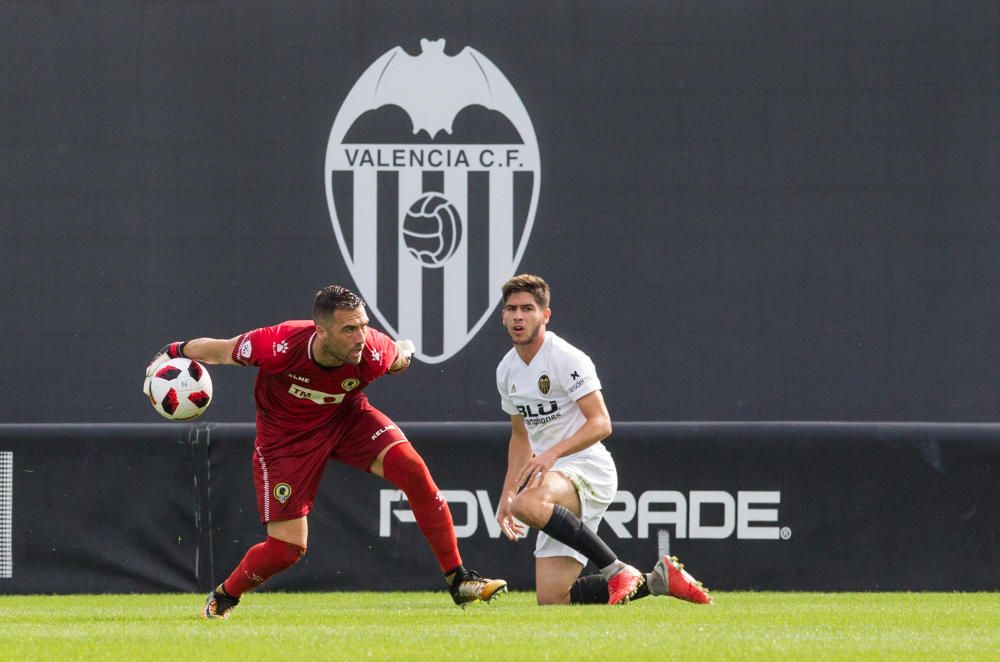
{"x":426,"y":626}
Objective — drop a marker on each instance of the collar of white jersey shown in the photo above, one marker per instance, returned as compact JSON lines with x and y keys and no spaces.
{"x":546,"y":342}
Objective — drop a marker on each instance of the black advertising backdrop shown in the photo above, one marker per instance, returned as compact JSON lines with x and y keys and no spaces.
{"x":103,"y":509}
{"x":761,"y":210}
{"x":791,"y":507}
{"x":753,"y":211}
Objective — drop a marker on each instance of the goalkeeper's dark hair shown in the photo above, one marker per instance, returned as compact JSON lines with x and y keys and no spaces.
{"x":533,"y":285}
{"x":334,"y":297}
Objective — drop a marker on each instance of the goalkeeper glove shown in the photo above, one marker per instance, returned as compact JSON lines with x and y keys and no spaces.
{"x":169,"y":351}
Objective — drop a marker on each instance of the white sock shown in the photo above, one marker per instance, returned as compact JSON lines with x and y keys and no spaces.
{"x":612,"y":569}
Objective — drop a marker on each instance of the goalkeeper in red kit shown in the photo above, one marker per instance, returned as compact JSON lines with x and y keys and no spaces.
{"x":311,"y":407}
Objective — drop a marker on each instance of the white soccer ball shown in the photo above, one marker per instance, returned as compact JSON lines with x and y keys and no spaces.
{"x":180,"y":389}
{"x":432,"y":230}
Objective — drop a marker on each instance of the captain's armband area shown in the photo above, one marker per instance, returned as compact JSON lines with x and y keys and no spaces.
{"x":403,"y":358}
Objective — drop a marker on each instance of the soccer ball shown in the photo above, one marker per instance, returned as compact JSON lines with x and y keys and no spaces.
{"x":432,"y":230}
{"x":180,"y":389}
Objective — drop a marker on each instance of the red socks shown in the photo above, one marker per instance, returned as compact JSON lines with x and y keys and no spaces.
{"x":261,"y":562}
{"x":403,"y":467}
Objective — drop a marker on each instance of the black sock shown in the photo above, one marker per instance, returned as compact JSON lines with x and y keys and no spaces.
{"x":567,"y":528}
{"x":643,"y":590}
{"x":593,"y":590}
{"x":457,"y":571}
{"x":589,"y":590}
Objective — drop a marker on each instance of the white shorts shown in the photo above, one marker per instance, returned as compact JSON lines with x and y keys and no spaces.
{"x":596,"y":481}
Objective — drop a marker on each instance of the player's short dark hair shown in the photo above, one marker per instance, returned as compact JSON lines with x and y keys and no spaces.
{"x":332,"y":297}
{"x":533,"y":285}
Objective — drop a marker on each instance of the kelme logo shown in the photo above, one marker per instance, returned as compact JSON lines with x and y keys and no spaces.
{"x":432,"y":181}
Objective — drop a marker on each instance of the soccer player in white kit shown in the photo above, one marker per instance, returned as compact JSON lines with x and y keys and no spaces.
{"x":560,"y":478}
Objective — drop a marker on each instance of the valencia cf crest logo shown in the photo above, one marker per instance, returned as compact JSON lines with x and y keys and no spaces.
{"x":432,"y":181}
{"x":544,"y":384}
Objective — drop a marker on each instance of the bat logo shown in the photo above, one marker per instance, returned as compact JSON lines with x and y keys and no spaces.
{"x":432,"y":181}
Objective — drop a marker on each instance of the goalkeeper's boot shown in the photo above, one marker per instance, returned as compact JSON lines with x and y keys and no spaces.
{"x":219,"y":604}
{"x":468,"y":586}
{"x":623,"y":585}
{"x":670,"y":578}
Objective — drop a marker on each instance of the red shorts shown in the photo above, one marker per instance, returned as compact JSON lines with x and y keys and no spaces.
{"x":287,"y":477}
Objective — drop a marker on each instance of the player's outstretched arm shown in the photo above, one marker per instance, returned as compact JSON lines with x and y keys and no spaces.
{"x":213,"y":351}
{"x":206,"y":350}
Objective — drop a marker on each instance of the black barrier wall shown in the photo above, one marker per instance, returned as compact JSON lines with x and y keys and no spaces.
{"x":861,"y":507}
{"x":752,"y":210}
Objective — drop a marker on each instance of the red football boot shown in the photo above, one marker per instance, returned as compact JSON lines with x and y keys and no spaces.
{"x":623,"y":586}
{"x":670,"y":578}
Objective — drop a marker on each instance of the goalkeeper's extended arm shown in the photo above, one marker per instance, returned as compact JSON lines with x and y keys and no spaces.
{"x":214,"y":351}
{"x":207,"y":350}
